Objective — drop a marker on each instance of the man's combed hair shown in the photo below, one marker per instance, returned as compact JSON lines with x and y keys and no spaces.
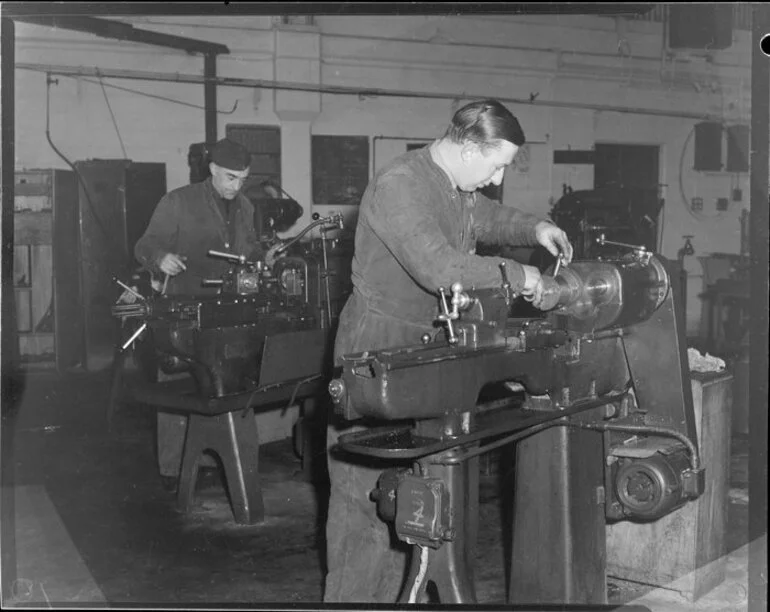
{"x":485,"y":122}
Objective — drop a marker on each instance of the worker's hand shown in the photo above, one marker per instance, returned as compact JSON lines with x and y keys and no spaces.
{"x":129,"y":297}
{"x":172,"y":264}
{"x":272,"y":255}
{"x":554,"y":240}
{"x":550,"y":294}
{"x":533,"y":285}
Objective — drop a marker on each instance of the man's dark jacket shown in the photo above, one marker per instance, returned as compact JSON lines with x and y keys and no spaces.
{"x":188,"y":221}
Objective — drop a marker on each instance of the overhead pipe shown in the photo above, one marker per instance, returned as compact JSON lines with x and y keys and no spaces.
{"x":345,"y":90}
{"x":119,"y":30}
{"x":210,"y":96}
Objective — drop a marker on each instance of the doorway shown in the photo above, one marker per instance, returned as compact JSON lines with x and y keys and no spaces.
{"x":627,"y":166}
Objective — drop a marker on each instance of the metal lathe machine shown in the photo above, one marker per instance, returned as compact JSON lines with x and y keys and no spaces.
{"x":604,"y":425}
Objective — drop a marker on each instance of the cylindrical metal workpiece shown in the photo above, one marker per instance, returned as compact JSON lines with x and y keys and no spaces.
{"x":605,"y":294}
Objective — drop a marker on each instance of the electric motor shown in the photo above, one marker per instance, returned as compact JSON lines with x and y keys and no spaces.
{"x":651,"y":487}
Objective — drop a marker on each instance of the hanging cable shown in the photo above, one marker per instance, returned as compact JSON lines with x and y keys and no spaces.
{"x":155,"y":96}
{"x":91,"y":207}
{"x":421,"y":572}
{"x":114,"y":121}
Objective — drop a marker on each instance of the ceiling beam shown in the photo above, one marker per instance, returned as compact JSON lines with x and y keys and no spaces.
{"x":113,"y":9}
{"x":124,"y":31}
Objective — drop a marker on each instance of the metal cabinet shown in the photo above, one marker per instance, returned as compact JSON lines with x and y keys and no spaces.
{"x":116,"y":199}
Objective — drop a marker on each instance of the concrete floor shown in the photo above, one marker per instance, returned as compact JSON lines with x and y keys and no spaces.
{"x":93,"y":523}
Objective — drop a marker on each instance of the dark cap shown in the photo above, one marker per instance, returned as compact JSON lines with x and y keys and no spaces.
{"x":230,"y":155}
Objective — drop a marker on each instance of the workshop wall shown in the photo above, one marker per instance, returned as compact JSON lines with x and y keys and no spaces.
{"x":593,"y":62}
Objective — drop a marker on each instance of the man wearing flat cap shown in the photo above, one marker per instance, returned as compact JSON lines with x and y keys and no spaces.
{"x":186,"y":224}
{"x":191,"y":220}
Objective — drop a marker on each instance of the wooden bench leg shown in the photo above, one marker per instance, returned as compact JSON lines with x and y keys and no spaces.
{"x":234,"y":437}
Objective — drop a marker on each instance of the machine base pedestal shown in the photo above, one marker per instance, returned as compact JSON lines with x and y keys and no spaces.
{"x":234,"y":437}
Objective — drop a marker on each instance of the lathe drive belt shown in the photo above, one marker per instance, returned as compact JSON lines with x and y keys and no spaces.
{"x":399,"y":442}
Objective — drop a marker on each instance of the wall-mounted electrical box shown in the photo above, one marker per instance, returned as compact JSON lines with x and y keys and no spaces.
{"x":721,"y":204}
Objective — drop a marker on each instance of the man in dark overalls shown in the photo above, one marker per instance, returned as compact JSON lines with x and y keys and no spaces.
{"x":186,"y":224}
{"x":418,"y":225}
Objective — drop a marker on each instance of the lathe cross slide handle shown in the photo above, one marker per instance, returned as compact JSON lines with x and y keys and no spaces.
{"x":448,"y":316}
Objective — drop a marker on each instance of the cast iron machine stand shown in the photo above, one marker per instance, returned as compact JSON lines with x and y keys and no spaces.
{"x":607,"y":413}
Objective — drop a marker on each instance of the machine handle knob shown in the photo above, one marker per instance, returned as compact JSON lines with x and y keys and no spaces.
{"x":337,"y":390}
{"x":460,"y":300}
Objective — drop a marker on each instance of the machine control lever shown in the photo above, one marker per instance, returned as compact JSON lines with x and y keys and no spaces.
{"x":336,"y":220}
{"x":559,"y":263}
{"x":133,"y":337}
{"x":130,"y":290}
{"x":639,"y":250}
{"x":506,"y":283}
{"x":128,"y":308}
{"x":603,"y":241}
{"x":448,"y":316}
{"x":332,"y":222}
{"x":460,"y":301}
{"x":237,"y":259}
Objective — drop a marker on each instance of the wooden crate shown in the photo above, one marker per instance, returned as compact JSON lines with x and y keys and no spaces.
{"x":33,"y":285}
{"x":685,"y":550}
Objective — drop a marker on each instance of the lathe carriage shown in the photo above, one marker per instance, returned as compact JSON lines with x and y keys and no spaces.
{"x":600,"y":407}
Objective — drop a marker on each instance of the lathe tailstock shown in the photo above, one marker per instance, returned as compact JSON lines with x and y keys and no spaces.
{"x":603,"y":418}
